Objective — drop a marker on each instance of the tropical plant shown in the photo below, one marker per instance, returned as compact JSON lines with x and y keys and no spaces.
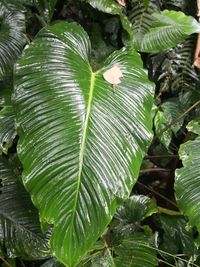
{"x":95,"y":96}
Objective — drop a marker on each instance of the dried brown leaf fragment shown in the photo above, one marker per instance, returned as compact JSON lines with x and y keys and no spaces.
{"x":113,"y":74}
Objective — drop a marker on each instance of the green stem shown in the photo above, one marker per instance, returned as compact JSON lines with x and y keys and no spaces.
{"x":161,"y":156}
{"x":169,"y":212}
{"x":109,"y":253}
{"x":6,"y":262}
{"x":154,"y":170}
{"x":41,"y":20}
{"x":179,"y":118}
{"x":167,"y":263}
{"x":166,"y":253}
{"x":158,"y":194}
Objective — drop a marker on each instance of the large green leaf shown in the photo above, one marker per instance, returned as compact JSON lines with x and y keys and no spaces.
{"x":12,"y":35}
{"x":81,"y":140}
{"x":187,"y":182}
{"x":169,"y":28}
{"x":150,"y":30}
{"x":20,"y":234}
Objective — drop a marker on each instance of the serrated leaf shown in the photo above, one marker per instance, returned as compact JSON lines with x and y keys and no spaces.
{"x":187,"y":182}
{"x":136,"y":209}
{"x":194,"y":126}
{"x":12,"y":35}
{"x":81,"y":143}
{"x":20,"y":234}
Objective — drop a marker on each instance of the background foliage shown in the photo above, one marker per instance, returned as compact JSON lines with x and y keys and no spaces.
{"x":71,"y":158}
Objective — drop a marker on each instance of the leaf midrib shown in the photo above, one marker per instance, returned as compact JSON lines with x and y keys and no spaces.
{"x":83,"y":142}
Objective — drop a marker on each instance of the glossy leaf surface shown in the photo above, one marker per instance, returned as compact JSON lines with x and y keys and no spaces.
{"x":142,"y":18}
{"x":7,"y":117}
{"x":150,"y":30}
{"x":136,"y":251}
{"x":136,"y":208}
{"x":167,"y":30}
{"x":168,"y":112}
{"x":176,"y":238}
{"x":187,"y":180}
{"x":20,"y":233}
{"x":81,"y":140}
{"x":7,"y":128}
{"x":12,"y":35}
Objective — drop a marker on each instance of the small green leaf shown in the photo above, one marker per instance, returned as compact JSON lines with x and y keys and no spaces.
{"x":136,"y":209}
{"x":194,"y":126}
{"x":7,"y":117}
{"x":161,"y":122}
{"x":7,"y":128}
{"x":176,"y":239}
{"x":168,"y":112}
{"x":101,"y":259}
{"x":136,"y":251}
{"x":20,"y":233}
{"x":12,"y":35}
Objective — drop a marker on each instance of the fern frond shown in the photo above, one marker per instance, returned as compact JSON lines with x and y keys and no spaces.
{"x":176,"y":69}
{"x":141,"y":17}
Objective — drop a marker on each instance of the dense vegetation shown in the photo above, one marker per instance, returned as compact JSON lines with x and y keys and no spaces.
{"x":99,"y":133}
